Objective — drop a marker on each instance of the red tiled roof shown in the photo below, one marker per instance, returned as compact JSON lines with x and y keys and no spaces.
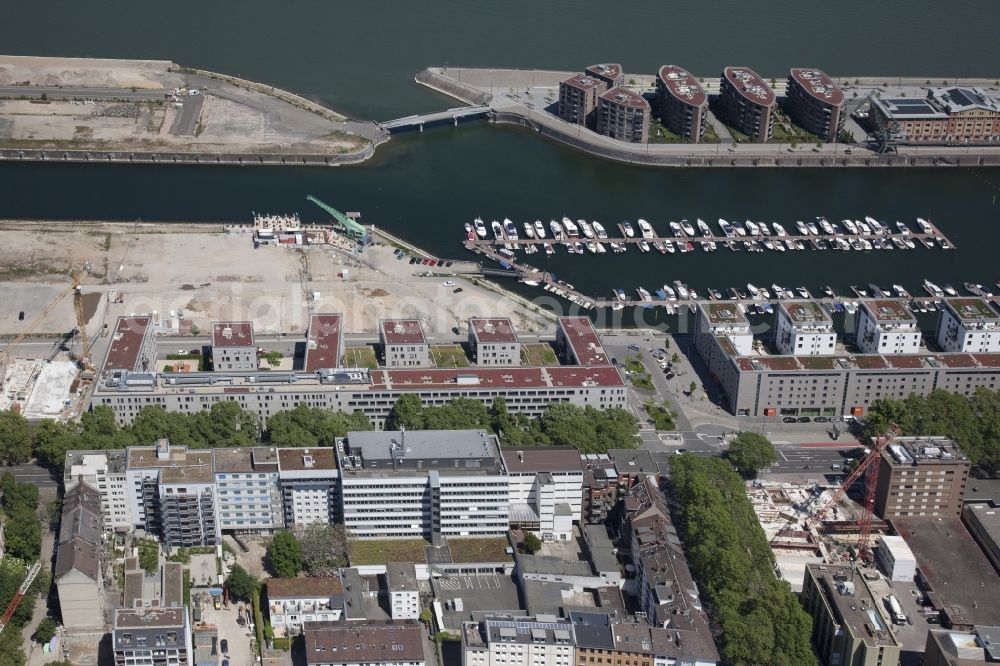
{"x":750,"y":79}
{"x":497,"y":377}
{"x":323,"y":342}
{"x":625,"y":97}
{"x":816,"y":83}
{"x":583,"y":339}
{"x":493,"y":330}
{"x":583,"y":82}
{"x":682,"y":85}
{"x":608,"y":70}
{"x":123,"y":354}
{"x":232,"y":334}
{"x":402,"y":331}
{"x":988,"y":360}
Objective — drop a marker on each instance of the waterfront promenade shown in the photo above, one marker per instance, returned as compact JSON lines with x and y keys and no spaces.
{"x":528,"y":98}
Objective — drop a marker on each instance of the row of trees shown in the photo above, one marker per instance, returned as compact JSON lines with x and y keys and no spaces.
{"x":761,"y":620}
{"x":974,"y":422}
{"x":318,"y":549}
{"x":22,"y":528}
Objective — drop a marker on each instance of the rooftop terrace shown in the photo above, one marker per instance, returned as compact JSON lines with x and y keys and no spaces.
{"x":682,"y":85}
{"x":818,"y":84}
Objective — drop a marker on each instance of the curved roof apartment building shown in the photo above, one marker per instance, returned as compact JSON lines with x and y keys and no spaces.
{"x":815,"y":102}
{"x":681,"y":102}
{"x":746,"y":102}
{"x":623,"y":115}
{"x":611,"y":74}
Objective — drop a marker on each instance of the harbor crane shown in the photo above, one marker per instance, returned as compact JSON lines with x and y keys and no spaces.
{"x":21,"y":591}
{"x":871,"y":464}
{"x":352,"y":228}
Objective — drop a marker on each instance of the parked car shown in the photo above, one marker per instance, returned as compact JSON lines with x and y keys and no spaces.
{"x":634,"y":347}
{"x":457,"y":290}
{"x":821,"y":419}
{"x":789,"y":419}
{"x":224,"y":646}
{"x":804,"y":419}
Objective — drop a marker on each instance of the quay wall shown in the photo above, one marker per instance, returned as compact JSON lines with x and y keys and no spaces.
{"x":449,"y":86}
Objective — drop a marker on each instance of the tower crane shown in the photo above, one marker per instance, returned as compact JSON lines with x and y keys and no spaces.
{"x":21,"y":591}
{"x":84,"y":358}
{"x":869,"y":463}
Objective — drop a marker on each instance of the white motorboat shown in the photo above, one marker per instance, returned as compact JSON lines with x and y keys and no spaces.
{"x":779,"y":230}
{"x":825,"y":224}
{"x":933,"y":289}
{"x":629,"y":231}
{"x":645,"y":228}
{"x":669,"y":246}
{"x":675,"y":229}
{"x":686,"y":226}
{"x":803,"y":292}
{"x":903,"y":229}
{"x":548,"y":248}
{"x":557,"y":230}
{"x":703,"y":228}
{"x":682,"y":291}
{"x":764,"y":229}
{"x":585,"y":228}
{"x":539,"y":229}
{"x":752,"y":229}
{"x":813,"y":229}
{"x":803,"y":229}
{"x":850,"y":226}
{"x":480,"y":227}
{"x":754,"y":291}
{"x":643,"y":246}
{"x":727,"y":228}
{"x":669,"y":291}
{"x":497,"y":230}
{"x":790,"y":244}
{"x":529,"y":230}
{"x":570,"y":228}
{"x":599,"y":230}
{"x":510,"y":228}
{"x":925,"y":226}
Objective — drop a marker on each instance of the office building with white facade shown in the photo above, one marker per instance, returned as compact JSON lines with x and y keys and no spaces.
{"x":968,"y":325}
{"x":105,"y":472}
{"x":494,"y":342}
{"x":246,"y":485}
{"x":885,"y":326}
{"x":403,"y":343}
{"x":404,"y":597}
{"x":546,"y":489}
{"x":291,"y":602}
{"x":804,"y":329}
{"x":233,"y":346}
{"x":308,"y":480}
{"x":423,"y":484}
{"x":539,"y":641}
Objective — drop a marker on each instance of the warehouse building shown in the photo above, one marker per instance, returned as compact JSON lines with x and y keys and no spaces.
{"x":956,"y":115}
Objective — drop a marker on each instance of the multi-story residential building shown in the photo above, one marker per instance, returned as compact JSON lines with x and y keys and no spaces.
{"x":592,"y":638}
{"x":132,"y":347}
{"x":247,"y":489}
{"x":308,"y":480}
{"x":885,"y":326}
{"x":848,"y":628}
{"x":921,"y":476}
{"x":172,"y":494}
{"x":403,"y":343}
{"x":968,"y":325}
{"x":494,"y":342}
{"x":404,"y":597}
{"x":364,"y":644}
{"x":611,"y":74}
{"x":423,"y":484}
{"x":321,"y":383}
{"x":623,"y":115}
{"x":945,"y":116}
{"x":681,"y":103}
{"x":758,"y":383}
{"x":578,"y":343}
{"x":978,"y":647}
{"x":578,"y":99}
{"x":104,"y":471}
{"x":804,"y":329}
{"x":982,"y":519}
{"x":152,"y":636}
{"x":518,"y":642}
{"x":233,"y":347}
{"x":747,"y":103}
{"x":79,"y":559}
{"x":815,"y":102}
{"x":607,"y":476}
{"x":291,"y":602}
{"x":546,"y":489}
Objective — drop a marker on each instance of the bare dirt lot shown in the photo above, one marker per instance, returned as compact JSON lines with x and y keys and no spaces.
{"x":210,"y":275}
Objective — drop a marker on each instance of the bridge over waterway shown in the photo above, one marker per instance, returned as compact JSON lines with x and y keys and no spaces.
{"x":436,"y":118}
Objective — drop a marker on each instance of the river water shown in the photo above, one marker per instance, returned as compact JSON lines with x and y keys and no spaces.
{"x":361,"y":57}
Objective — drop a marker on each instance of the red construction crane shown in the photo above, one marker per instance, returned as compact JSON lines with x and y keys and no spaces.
{"x":21,"y":591}
{"x":870,"y":463}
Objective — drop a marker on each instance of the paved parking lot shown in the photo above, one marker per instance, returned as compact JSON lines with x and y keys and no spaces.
{"x":477,"y":582}
{"x":238,"y":637}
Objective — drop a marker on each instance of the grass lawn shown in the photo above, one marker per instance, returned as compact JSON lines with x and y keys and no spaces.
{"x":640,"y":378}
{"x":662,"y":417}
{"x":449,"y":356}
{"x":660,"y":134}
{"x":379,"y":551}
{"x":360,"y":357}
{"x":193,"y":358}
{"x":479,"y":550}
{"x":710,"y":135}
{"x":539,"y":355}
{"x":738,"y":136}
{"x":792,"y":133}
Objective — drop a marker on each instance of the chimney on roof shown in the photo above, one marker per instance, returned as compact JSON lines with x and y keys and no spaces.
{"x":520,"y":456}
{"x":227,"y":332}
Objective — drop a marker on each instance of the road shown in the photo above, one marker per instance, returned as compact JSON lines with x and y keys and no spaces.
{"x":186,"y":121}
{"x":58,"y":92}
{"x":36,"y":475}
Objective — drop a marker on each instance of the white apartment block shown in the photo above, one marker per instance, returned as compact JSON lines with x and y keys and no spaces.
{"x":308,"y":480}
{"x":403,"y":343}
{"x":968,"y":325}
{"x":494,"y":342}
{"x":721,"y":330}
{"x":885,"y":326}
{"x":104,"y":471}
{"x":233,"y":346}
{"x":404,"y":598}
{"x":804,"y":329}
{"x":246,"y":482}
{"x":291,"y":602}
{"x":540,"y":641}
{"x":424,"y":484}
{"x":152,"y":636}
{"x":546,"y":489}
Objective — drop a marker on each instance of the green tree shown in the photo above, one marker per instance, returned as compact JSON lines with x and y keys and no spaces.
{"x":285,"y":555}
{"x":149,"y":555}
{"x":324,"y":548}
{"x":749,"y":453}
{"x":241,"y":584}
{"x":406,"y":413}
{"x":46,"y":630}
{"x":100,"y":430}
{"x":532,"y":544}
{"x":311,"y":427}
{"x":52,"y":441}
{"x":11,"y":650}
{"x":15,"y":438}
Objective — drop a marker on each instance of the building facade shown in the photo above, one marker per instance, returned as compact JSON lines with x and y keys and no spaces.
{"x":152,"y":636}
{"x":233,"y":346}
{"x":578,"y":99}
{"x":968,"y":325}
{"x":494,"y":342}
{"x":885,"y":326}
{"x":546,"y":489}
{"x":403,"y":343}
{"x":79,"y":567}
{"x":847,"y":626}
{"x":423,"y":484}
{"x":611,"y":74}
{"x":308,"y":480}
{"x":982,"y":519}
{"x":815,"y":103}
{"x":291,"y":602}
{"x":104,"y":471}
{"x":363,"y":644}
{"x":246,"y":485}
{"x":921,"y":476}
{"x":957,"y":115}
{"x":747,"y":103}
{"x":518,"y":642}
{"x":681,"y":103}
{"x":623,"y":115}
{"x":404,"y":597}
{"x":804,"y":329}
{"x":895,"y":558}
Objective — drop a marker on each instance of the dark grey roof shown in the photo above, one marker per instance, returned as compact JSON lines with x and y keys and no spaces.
{"x":547,"y":564}
{"x":542,"y":598}
{"x":79,"y":523}
{"x":593,"y":630}
{"x":77,"y":554}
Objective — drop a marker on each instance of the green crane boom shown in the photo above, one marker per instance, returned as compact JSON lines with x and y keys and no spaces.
{"x":353,"y":229}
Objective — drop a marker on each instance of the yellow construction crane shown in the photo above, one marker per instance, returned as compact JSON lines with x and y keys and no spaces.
{"x":84,"y":358}
{"x":5,"y":353}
